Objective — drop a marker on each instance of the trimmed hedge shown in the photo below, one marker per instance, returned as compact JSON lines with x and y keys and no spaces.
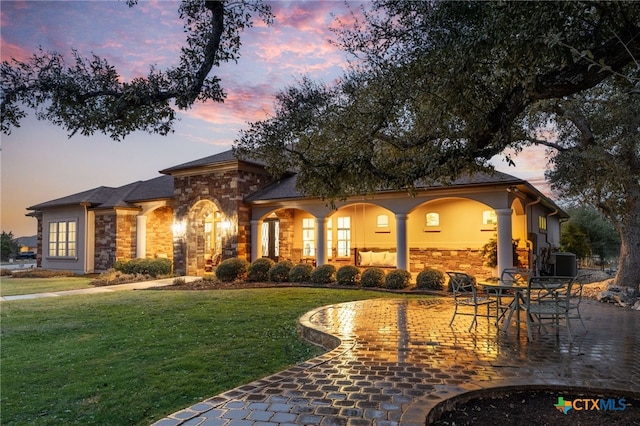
{"x":372,"y":277}
{"x":259,"y":269}
{"x":152,"y":267}
{"x":324,"y":274}
{"x":430,"y":279}
{"x":300,"y":273}
{"x":397,"y":279}
{"x":279,"y":273}
{"x":232,"y":269}
{"x":348,"y":275}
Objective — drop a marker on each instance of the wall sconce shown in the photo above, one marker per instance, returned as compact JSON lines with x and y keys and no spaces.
{"x":179,"y":229}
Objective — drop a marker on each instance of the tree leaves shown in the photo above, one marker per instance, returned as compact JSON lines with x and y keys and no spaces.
{"x":89,"y":95}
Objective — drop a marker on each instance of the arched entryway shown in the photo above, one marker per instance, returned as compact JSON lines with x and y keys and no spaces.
{"x":206,"y":233}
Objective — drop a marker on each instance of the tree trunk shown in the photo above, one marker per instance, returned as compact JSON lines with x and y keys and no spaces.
{"x":629,"y":263}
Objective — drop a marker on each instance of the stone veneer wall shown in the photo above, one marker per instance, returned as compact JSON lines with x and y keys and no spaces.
{"x":286,"y":237}
{"x":105,"y":245}
{"x":466,"y":260}
{"x":159,"y":232}
{"x":227,"y":190}
{"x":126,"y":237}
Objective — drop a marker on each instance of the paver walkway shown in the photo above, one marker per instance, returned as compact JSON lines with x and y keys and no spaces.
{"x":396,"y":359}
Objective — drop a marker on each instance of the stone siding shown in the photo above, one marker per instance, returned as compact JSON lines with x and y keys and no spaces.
{"x":159,"y":232}
{"x":126,"y":237}
{"x":226,"y":189}
{"x":105,"y":245}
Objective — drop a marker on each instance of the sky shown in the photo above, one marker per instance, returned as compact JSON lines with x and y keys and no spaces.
{"x":39,"y":162}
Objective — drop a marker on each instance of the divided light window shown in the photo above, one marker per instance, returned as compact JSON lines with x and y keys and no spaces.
{"x":62,"y":238}
{"x":308,"y":236}
{"x":344,"y":236}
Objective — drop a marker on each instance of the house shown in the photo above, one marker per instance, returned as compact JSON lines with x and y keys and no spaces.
{"x":219,"y":207}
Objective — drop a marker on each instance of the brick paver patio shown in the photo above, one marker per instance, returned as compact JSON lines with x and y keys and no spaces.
{"x":397,"y":359}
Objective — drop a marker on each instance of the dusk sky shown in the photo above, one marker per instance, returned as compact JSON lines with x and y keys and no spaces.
{"x":40,"y":163}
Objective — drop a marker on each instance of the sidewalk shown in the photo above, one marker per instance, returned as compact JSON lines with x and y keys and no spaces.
{"x":395,"y":360}
{"x":104,"y":289}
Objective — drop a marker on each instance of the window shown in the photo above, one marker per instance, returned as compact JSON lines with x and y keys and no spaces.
{"x":542,"y":224}
{"x":383,"y":221}
{"x":62,"y":239}
{"x":489,"y":217}
{"x":308,"y":236}
{"x":329,"y":240}
{"x":344,"y":236}
{"x":433,"y":219}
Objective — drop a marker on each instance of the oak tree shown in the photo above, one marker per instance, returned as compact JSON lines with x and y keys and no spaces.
{"x":439,"y":88}
{"x":88,"y":95}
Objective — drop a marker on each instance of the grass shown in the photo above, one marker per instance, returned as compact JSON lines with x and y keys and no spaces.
{"x":11,"y":286}
{"x":131,"y":358}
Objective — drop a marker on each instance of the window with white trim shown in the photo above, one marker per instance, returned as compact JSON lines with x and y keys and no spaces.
{"x":433,"y":219}
{"x":344,"y":236}
{"x":62,"y":238}
{"x":489,"y":217}
{"x":383,"y":221}
{"x":308,"y":236}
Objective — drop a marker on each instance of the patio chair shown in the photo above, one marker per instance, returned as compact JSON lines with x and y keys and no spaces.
{"x":510,"y":276}
{"x":548,"y":302}
{"x":465,"y":294}
{"x":515,"y":276}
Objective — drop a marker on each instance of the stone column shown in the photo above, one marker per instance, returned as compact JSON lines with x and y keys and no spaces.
{"x":141,"y":236}
{"x":505,"y":247}
{"x":402,"y":258}
{"x":321,"y":238}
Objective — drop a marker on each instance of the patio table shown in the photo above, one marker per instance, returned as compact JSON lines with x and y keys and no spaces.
{"x":500,"y":289}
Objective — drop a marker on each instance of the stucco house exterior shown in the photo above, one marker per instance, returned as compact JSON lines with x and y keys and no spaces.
{"x":219,"y":207}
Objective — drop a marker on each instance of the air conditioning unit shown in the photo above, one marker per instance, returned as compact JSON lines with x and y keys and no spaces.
{"x":564,"y":264}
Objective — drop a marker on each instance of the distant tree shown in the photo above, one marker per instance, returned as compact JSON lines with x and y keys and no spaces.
{"x":574,"y":240}
{"x":89,"y":95}
{"x":589,"y":227}
{"x":9,"y":247}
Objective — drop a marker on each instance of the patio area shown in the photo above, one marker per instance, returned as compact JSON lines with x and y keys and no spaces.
{"x":394,"y":360}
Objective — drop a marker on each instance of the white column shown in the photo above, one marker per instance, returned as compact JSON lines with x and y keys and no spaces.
{"x":141,"y":236}
{"x":401,"y":242}
{"x":321,"y":241}
{"x":505,"y":248}
{"x":256,"y":236}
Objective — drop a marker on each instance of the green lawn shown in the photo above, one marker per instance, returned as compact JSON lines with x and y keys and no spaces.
{"x":130,"y":358}
{"x":11,"y":286}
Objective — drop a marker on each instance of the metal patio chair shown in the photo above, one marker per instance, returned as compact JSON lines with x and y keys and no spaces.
{"x":465,"y":294}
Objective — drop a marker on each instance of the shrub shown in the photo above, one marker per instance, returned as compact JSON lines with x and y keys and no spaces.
{"x":397,"y":279}
{"x":372,"y":277}
{"x":430,"y":279}
{"x":279,"y":273}
{"x":152,"y":267}
{"x":259,"y":269}
{"x":324,"y":274}
{"x":179,"y":281}
{"x":5,"y":272}
{"x":300,"y":273}
{"x":348,"y":275}
{"x":232,"y":269}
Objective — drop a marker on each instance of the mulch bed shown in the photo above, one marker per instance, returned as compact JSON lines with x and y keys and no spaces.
{"x":537,"y":407}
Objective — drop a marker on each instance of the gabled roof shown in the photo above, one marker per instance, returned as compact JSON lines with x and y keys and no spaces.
{"x":108,"y":197}
{"x":220,"y":158}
